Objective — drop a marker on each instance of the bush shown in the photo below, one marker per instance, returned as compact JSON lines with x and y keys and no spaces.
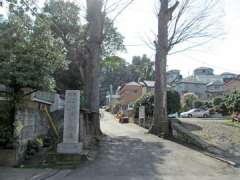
{"x":219,"y":106}
{"x":188,"y":101}
{"x":173,"y":102}
{"x":199,"y":104}
{"x":147,"y":100}
{"x":6,"y":128}
{"x":232,"y":102}
{"x":217,"y":101}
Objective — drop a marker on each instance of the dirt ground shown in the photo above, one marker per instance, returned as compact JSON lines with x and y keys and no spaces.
{"x":218,"y":133}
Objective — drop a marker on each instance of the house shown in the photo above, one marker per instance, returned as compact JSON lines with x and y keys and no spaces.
{"x":231,"y":86}
{"x":227,"y":76}
{"x":215,"y":89}
{"x":203,"y":71}
{"x":173,"y":76}
{"x":203,"y":83}
{"x":129,"y":93}
{"x":196,"y":87}
{"x":148,"y":86}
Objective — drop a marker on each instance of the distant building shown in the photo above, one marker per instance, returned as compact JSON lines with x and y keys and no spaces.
{"x":129,"y":93}
{"x":203,"y":71}
{"x":148,"y":86}
{"x":215,"y":89}
{"x":195,"y":87}
{"x":203,"y":83}
{"x":173,"y":76}
{"x":228,"y":76}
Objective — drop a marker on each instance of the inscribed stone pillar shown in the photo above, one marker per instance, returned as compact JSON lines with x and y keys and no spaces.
{"x":71,"y":144}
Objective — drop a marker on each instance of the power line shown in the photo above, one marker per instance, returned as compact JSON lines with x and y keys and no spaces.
{"x":134,"y":45}
{"x":211,"y":65}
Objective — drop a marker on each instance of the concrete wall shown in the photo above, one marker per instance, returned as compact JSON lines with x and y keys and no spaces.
{"x":30,"y":122}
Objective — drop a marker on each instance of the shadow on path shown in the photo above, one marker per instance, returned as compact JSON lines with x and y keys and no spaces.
{"x":125,"y":156}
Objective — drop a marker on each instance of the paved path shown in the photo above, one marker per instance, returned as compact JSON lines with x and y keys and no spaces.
{"x":129,"y":153}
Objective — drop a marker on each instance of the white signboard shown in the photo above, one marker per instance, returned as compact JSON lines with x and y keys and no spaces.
{"x":142,"y":112}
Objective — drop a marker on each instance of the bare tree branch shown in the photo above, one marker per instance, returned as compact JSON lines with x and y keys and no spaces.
{"x":186,"y":25}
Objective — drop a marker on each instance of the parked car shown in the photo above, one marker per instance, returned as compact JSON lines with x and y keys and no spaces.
{"x":175,"y":115}
{"x":198,"y":113}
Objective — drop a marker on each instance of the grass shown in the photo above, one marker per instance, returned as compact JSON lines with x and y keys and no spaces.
{"x":231,"y":123}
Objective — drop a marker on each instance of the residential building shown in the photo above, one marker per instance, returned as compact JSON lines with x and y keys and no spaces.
{"x":129,"y":93}
{"x":195,"y":87}
{"x":204,"y":83}
{"x":173,"y":76}
{"x":203,"y":71}
{"x":148,"y":86}
{"x":227,"y":76}
{"x":215,"y":89}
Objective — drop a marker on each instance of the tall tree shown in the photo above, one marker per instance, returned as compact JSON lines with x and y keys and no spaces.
{"x":95,"y":18}
{"x":191,"y":20}
{"x":64,"y":17}
{"x":143,"y":67}
{"x":160,"y":123}
{"x":30,"y":55}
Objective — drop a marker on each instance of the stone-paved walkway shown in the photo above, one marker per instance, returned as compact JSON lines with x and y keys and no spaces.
{"x":129,"y":153}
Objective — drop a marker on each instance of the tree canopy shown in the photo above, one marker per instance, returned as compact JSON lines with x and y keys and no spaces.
{"x":30,"y":54}
{"x":65,"y":20}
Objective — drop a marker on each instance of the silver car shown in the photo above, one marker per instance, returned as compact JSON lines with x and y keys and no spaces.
{"x":198,"y":113}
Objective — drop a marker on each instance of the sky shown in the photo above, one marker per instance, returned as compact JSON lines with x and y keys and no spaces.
{"x":138,"y":22}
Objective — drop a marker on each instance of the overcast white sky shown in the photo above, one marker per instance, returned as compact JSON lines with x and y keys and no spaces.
{"x":139,"y":21}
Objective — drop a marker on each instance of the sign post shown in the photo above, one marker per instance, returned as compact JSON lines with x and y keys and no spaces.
{"x":142,"y":116}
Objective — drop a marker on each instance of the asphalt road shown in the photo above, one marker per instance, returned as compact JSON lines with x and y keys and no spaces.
{"x":129,"y":153}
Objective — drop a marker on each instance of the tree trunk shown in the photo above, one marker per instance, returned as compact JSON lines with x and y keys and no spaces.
{"x":94,"y":48}
{"x":160,"y":124}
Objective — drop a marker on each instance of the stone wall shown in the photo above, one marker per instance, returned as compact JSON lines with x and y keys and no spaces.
{"x":30,"y":122}
{"x":181,"y":133}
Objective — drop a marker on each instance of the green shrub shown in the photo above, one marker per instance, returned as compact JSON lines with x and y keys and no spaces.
{"x":217,"y":101}
{"x":6,"y":128}
{"x":188,"y":101}
{"x":199,"y":104}
{"x":173,"y":102}
{"x":232,"y":102}
{"x":147,"y":100}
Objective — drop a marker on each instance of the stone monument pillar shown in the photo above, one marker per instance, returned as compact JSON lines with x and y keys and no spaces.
{"x":71,"y":144}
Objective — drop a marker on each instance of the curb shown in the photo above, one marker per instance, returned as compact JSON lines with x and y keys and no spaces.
{"x":44,"y":176}
{"x":234,"y":164}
